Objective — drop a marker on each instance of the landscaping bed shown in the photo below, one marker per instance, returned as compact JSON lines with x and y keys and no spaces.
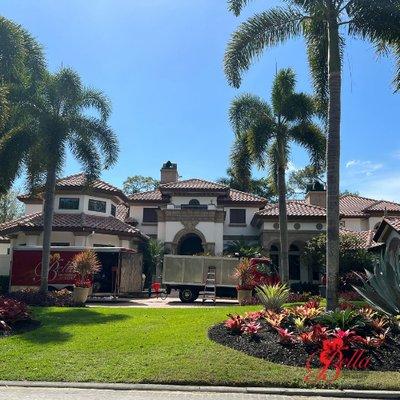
{"x":306,"y":335}
{"x":268,"y":347}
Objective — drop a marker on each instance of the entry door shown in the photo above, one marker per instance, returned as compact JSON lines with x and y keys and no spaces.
{"x":131,"y":266}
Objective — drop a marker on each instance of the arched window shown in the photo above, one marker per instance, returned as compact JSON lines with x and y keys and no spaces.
{"x":194,"y":202}
{"x":294,"y":263}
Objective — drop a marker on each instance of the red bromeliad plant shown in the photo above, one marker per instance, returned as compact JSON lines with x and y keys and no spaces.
{"x":11,"y":312}
{"x":235,"y":324}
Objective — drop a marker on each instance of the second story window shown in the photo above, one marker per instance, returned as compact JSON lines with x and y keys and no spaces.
{"x":237,"y":216}
{"x":150,"y":215}
{"x":68,"y":203}
{"x":113,"y":210}
{"x":97,"y":205}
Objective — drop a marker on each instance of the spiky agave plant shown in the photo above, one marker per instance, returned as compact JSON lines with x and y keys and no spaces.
{"x":381,"y":289}
{"x":273,"y":297}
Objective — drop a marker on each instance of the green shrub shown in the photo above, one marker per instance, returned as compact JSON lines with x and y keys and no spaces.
{"x":4,"y":284}
{"x":273,"y":297}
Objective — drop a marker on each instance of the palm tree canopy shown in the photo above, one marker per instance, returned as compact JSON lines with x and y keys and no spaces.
{"x":63,"y":115}
{"x":376,"y":21}
{"x":258,"y":128}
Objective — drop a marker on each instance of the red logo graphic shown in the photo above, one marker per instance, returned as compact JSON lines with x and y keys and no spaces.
{"x":332,"y":360}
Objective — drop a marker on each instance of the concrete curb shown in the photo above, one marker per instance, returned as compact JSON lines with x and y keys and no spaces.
{"x":345,"y":393}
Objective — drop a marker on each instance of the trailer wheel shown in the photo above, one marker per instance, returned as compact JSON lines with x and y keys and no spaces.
{"x":188,"y":295}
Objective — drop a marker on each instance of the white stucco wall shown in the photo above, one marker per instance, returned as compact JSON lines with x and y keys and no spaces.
{"x":372,"y":221}
{"x":178,"y":200}
{"x":355,"y":224}
{"x":4,"y":248}
{"x":73,"y":240}
{"x":247,"y":230}
{"x":136,"y":212}
{"x":304,"y":226}
{"x":33,"y":208}
{"x":83,"y":205}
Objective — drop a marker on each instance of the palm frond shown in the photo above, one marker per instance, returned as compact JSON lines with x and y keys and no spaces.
{"x":282,"y":88}
{"x":299,"y":107}
{"x":258,"y":138}
{"x":236,"y":6}
{"x":96,"y":99}
{"x":375,"y":20}
{"x":311,"y":137}
{"x":262,"y":31}
{"x":241,"y":163}
{"x":245,"y":109}
{"x":100,"y":134}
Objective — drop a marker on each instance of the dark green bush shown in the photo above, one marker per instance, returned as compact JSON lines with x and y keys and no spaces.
{"x":4,"y":282}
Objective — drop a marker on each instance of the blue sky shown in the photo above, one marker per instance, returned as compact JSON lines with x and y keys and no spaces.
{"x":160,"y":63}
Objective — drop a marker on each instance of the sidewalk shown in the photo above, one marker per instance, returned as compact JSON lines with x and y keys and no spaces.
{"x":13,"y":390}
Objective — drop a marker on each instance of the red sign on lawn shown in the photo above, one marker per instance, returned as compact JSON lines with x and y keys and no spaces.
{"x":27,"y":265}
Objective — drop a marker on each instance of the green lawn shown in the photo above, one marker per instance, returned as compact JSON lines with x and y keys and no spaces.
{"x":147,"y":346}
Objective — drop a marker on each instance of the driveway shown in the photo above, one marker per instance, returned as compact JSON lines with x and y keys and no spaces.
{"x":172,"y":301}
{"x":22,"y":393}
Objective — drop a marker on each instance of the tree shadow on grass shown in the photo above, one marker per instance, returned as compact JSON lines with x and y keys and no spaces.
{"x":53,"y":324}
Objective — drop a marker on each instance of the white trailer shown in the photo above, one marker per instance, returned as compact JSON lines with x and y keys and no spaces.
{"x":188,"y":274}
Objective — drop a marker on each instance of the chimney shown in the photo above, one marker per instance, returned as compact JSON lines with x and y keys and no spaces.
{"x":169,"y":172}
{"x":316,"y":194}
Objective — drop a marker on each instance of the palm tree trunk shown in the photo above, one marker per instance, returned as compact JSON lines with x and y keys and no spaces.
{"x":284,"y":255}
{"x":48,"y":211}
{"x":333,"y":163}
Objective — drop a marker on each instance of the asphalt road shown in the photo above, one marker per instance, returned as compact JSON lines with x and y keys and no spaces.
{"x":22,"y":393}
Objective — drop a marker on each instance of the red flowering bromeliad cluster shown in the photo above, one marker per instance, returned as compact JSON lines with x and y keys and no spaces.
{"x":11,"y":312}
{"x":311,"y":326}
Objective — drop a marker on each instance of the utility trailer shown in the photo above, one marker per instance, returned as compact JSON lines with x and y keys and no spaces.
{"x":120,"y":272}
{"x":188,"y":274}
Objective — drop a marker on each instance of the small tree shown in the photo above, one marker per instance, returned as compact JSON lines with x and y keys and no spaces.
{"x":85,"y":264}
{"x":352,"y":255}
{"x":139,"y":183}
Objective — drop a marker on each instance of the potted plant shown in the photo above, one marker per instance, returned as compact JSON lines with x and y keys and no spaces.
{"x":244,"y":274}
{"x":84,"y":264}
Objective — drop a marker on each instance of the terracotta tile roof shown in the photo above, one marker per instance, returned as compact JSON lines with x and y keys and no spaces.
{"x":153,"y":195}
{"x":295,"y":208}
{"x":393,"y":222}
{"x":4,"y":239}
{"x":383,"y":205}
{"x":72,"y":222}
{"x":79,"y":182}
{"x":231,"y":196}
{"x":358,"y":206}
{"x":366,"y":237}
{"x":122,"y":212}
{"x":236,"y":196}
{"x":194,"y":184}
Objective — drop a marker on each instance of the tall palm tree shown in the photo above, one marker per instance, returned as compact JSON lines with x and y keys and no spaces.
{"x":266,"y":132}
{"x":61,"y":117}
{"x":324,"y":24}
{"x":22,"y":67}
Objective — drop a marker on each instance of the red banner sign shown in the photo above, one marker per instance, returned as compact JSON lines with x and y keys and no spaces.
{"x":27,"y":265}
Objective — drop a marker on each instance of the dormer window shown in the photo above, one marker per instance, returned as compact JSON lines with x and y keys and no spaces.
{"x":113,"y":210}
{"x":194,"y":202}
{"x":97,"y":205}
{"x":68,"y":203}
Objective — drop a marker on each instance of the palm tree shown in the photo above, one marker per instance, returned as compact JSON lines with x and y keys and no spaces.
{"x":323,"y":24}
{"x":22,"y":67}
{"x":59,"y":119}
{"x":266,"y":132}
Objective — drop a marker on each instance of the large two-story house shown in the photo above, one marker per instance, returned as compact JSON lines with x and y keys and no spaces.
{"x":190,"y":216}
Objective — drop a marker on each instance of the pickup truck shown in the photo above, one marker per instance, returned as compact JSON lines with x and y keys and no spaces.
{"x":187,"y":274}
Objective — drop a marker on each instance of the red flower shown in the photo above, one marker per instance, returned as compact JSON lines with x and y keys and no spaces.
{"x":331,"y":348}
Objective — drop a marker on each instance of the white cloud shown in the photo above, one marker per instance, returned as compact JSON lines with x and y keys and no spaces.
{"x":363,"y":167}
{"x":396,"y":154}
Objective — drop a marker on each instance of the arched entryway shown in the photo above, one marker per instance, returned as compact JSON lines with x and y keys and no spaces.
{"x":190,"y":244}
